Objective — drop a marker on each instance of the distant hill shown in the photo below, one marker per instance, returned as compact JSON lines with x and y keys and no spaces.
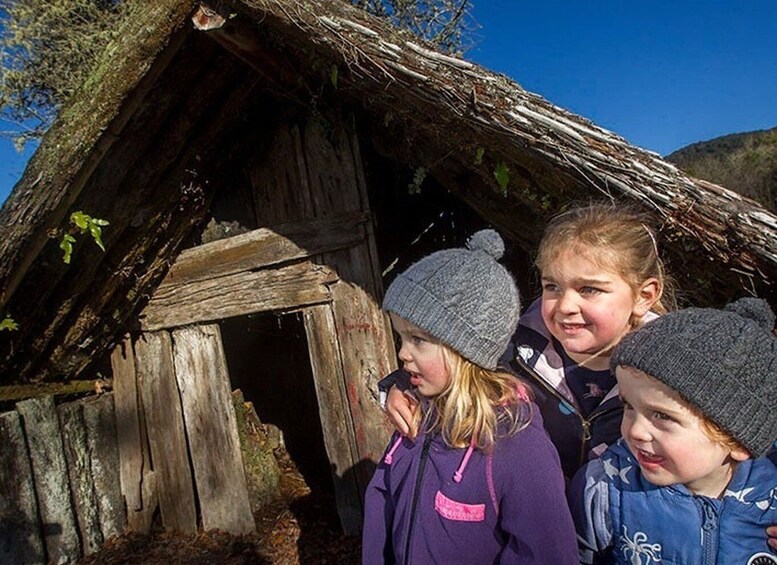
{"x":744,"y":162}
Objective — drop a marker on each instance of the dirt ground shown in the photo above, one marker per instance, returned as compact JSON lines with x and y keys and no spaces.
{"x":302,"y":527}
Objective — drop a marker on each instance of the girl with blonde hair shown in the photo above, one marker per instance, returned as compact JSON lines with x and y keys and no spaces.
{"x":481,"y":481}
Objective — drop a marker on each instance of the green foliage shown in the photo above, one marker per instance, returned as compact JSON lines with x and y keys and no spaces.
{"x":82,"y":223}
{"x":418,"y":179}
{"x":447,"y":24}
{"x":479,"y":155}
{"x":8,"y":324}
{"x":333,"y":75}
{"x":47,"y":49}
{"x":502,"y":176}
{"x":744,"y":162}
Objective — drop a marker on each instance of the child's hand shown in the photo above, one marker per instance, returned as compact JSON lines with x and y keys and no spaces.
{"x":771,"y":531}
{"x":400,"y":409}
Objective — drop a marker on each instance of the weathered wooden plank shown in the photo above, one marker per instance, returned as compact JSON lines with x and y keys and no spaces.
{"x":20,"y":529}
{"x":125,"y":394}
{"x":265,"y":247}
{"x":49,"y":470}
{"x":277,"y":179}
{"x":71,"y":421}
{"x":166,"y":435}
{"x":336,"y":422}
{"x":365,"y":348}
{"x":201,"y":371}
{"x":100,"y":424}
{"x":14,"y":393}
{"x":336,"y":181}
{"x":238,"y":294}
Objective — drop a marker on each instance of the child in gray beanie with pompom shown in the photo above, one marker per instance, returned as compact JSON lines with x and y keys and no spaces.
{"x":688,"y":482}
{"x":481,"y":483}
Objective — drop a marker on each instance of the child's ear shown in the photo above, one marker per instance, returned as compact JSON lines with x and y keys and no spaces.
{"x":740,"y":454}
{"x":647,"y":295}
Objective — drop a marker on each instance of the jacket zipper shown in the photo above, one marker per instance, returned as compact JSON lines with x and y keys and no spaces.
{"x":709,"y":527}
{"x":584,"y":423}
{"x":421,"y":465}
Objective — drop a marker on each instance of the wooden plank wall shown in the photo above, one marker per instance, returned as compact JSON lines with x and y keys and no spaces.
{"x":188,"y":421}
{"x":59,"y":481}
{"x":316,"y":254}
{"x":201,"y":372}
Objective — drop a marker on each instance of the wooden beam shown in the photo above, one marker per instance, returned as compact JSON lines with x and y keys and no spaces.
{"x":71,"y":421}
{"x":49,"y":470}
{"x":100,"y":425}
{"x":201,"y":372}
{"x":336,"y":422}
{"x":265,"y":247}
{"x":128,"y":424}
{"x":166,"y":434}
{"x":366,"y":350}
{"x":20,"y":531}
{"x":238,"y":294}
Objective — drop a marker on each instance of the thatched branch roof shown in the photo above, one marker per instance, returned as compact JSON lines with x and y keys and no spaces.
{"x":454,"y":118}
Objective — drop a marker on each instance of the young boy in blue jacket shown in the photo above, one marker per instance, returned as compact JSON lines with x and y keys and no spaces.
{"x":688,"y":483}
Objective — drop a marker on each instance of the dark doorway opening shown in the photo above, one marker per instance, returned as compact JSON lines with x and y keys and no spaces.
{"x":267,"y":358}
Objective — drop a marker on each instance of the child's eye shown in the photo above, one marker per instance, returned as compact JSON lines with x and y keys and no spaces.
{"x":549,"y":287}
{"x":662,"y":416}
{"x":590,"y":290}
{"x":417,"y":339}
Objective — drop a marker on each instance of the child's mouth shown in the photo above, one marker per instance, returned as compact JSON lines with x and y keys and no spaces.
{"x":415,"y":379}
{"x":649,"y":460}
{"x":568,"y":327}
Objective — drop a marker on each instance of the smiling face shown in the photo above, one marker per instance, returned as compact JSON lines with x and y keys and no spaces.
{"x":422,"y":357}
{"x":587,"y":308}
{"x":668,"y":440}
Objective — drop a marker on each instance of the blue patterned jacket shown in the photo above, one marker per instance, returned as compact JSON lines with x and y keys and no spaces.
{"x":622,"y":518}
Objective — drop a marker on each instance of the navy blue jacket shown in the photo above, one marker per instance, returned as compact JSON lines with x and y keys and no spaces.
{"x":532,"y":355}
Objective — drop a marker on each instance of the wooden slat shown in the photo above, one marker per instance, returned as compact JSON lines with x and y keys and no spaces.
{"x":336,"y":422}
{"x":166,"y":435}
{"x":100,"y":424}
{"x":264,"y":247}
{"x":20,"y":529}
{"x":127,"y":423}
{"x":277,"y":180}
{"x":49,"y":470}
{"x":71,"y":421}
{"x":201,"y":371}
{"x":365,"y":348}
{"x":336,"y":181}
{"x":292,"y":286}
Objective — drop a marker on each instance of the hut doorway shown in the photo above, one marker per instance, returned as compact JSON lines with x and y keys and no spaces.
{"x":267,"y":357}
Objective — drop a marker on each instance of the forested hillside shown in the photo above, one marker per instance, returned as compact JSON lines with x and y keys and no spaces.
{"x":745,"y":162}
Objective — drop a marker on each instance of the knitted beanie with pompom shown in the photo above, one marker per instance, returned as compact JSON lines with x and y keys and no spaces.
{"x":461,"y":296}
{"x":722,"y":361}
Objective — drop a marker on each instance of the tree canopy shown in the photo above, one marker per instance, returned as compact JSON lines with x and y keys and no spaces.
{"x":47,"y":49}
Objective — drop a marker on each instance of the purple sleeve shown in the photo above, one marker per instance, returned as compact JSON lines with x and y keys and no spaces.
{"x":378,"y":519}
{"x":533,"y":508}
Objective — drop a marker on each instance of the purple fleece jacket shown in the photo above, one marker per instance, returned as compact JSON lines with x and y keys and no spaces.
{"x":509,"y":507}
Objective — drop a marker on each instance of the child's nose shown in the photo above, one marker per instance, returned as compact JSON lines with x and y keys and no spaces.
{"x":638,"y":429}
{"x":404,"y":353}
{"x":566,"y":302}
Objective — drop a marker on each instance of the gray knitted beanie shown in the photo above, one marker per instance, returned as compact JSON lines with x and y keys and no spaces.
{"x":462,"y":297}
{"x":722,"y":361}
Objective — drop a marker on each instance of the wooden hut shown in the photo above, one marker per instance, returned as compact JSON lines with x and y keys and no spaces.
{"x":266,"y":166}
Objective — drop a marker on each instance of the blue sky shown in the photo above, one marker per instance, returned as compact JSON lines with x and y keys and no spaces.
{"x":660,"y":73}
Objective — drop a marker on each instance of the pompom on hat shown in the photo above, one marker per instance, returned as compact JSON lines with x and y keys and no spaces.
{"x":461,"y":296}
{"x":722,"y":361}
